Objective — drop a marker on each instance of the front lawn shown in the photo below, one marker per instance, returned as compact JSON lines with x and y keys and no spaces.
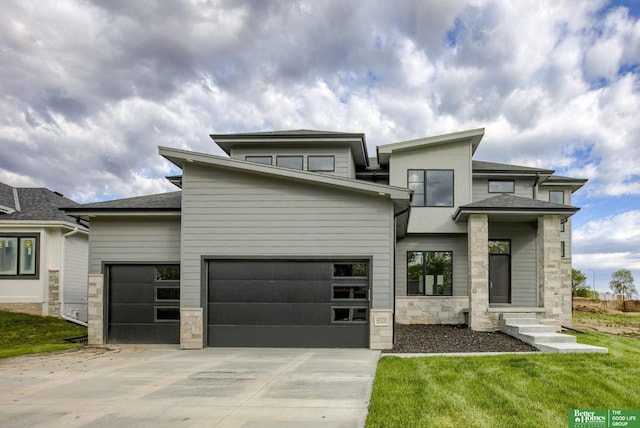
{"x":29,"y":334}
{"x":505,"y":391}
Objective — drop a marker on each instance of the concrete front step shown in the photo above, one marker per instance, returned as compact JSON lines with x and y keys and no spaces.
{"x":565,"y":348}
{"x":543,"y":337}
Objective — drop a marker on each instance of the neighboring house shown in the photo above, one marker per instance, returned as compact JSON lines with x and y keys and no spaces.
{"x":43,"y":254}
{"x":298,"y":238}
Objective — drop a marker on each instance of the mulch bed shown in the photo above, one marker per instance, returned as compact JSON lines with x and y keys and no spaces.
{"x":419,"y":338}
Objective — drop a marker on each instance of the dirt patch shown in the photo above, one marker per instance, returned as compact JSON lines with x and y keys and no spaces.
{"x":621,"y":324}
{"x":420,"y":338}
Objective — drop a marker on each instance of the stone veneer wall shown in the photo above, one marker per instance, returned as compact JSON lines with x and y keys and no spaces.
{"x":478,"y":247}
{"x":191,"y":328}
{"x":381,"y":329}
{"x":550,"y":274}
{"x":54,"y":293}
{"x":431,"y":310}
{"x":95,"y":329}
{"x":24,"y":308}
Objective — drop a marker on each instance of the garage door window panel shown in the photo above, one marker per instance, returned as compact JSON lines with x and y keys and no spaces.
{"x":345,"y":314}
{"x":167,"y":294}
{"x":167,"y":314}
{"x":350,"y":292}
{"x":167,"y":273}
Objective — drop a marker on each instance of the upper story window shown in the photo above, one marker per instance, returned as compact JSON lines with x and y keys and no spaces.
{"x":267,"y":160}
{"x":502,"y":186}
{"x":293,"y":162}
{"x":19,"y":256}
{"x":556,"y":196}
{"x":321,"y":163}
{"x":431,"y":187}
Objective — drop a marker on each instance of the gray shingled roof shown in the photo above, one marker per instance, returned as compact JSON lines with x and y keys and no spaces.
{"x":161,"y":202}
{"x":510,"y":202}
{"x":482,"y":166}
{"x":34,"y":204}
{"x":288,"y":133}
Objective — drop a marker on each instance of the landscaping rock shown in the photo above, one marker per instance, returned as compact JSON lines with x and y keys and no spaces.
{"x":432,"y":338}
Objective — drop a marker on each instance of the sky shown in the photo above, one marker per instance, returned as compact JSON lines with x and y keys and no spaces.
{"x":90,"y":89}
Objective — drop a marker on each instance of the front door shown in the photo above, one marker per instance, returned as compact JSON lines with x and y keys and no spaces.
{"x":499,"y":271}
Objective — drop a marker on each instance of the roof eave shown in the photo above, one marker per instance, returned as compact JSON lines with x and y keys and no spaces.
{"x":462,"y":214}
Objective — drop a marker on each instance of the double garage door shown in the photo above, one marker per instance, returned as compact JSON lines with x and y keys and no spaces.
{"x":255,"y":303}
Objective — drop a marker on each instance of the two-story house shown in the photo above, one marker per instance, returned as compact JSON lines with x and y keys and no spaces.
{"x":301,"y":239}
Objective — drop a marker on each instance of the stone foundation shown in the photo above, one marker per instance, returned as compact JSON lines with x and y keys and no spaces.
{"x":381,"y":329}
{"x":191,"y":328}
{"x":24,"y":308}
{"x":431,"y":310}
{"x":54,"y":293}
{"x":95,"y":328}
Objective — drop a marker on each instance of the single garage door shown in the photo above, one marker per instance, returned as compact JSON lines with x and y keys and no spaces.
{"x":144,"y":304}
{"x":288,"y":303}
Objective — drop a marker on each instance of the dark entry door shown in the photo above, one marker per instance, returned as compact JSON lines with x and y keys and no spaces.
{"x":499,"y":271}
{"x":288,"y":303}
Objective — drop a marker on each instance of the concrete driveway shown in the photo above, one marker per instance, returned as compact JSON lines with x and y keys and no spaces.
{"x":156,"y":386}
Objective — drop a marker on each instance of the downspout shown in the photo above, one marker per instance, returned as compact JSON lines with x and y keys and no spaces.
{"x":535,"y":196}
{"x":62,"y":315}
{"x":535,"y":186}
{"x":395,"y":243}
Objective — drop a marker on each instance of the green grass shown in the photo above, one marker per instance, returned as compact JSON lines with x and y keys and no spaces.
{"x":505,"y":391}
{"x":29,"y":334}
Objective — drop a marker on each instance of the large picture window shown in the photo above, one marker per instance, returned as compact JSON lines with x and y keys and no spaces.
{"x":431,"y":187}
{"x":429,"y":273}
{"x":19,"y":256}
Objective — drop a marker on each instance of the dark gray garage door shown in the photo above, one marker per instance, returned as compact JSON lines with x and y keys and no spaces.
{"x":288,"y":303}
{"x":144,"y":304}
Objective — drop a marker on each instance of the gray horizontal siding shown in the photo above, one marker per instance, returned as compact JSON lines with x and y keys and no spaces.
{"x":76,"y":262}
{"x":523,"y":260}
{"x":455,"y":243}
{"x":343,"y":158}
{"x":480,"y":190}
{"x":133,"y":240}
{"x":227,"y":213}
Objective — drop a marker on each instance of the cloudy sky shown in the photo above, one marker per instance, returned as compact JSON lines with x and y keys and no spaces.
{"x":89,"y":89}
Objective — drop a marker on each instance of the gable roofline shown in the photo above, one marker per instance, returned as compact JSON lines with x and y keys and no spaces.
{"x":400,"y":196}
{"x":474,"y":135}
{"x":357,"y":141}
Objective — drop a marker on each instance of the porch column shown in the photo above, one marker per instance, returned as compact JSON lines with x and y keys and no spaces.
{"x":478,"y":237}
{"x":553,"y":297}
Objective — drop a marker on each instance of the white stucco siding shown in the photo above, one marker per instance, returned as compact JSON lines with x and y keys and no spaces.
{"x":33,"y":290}
{"x":454,"y":156}
{"x":231,"y":213}
{"x":133,"y":239}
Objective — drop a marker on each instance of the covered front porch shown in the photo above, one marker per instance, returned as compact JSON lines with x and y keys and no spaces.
{"x":516,"y":263}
